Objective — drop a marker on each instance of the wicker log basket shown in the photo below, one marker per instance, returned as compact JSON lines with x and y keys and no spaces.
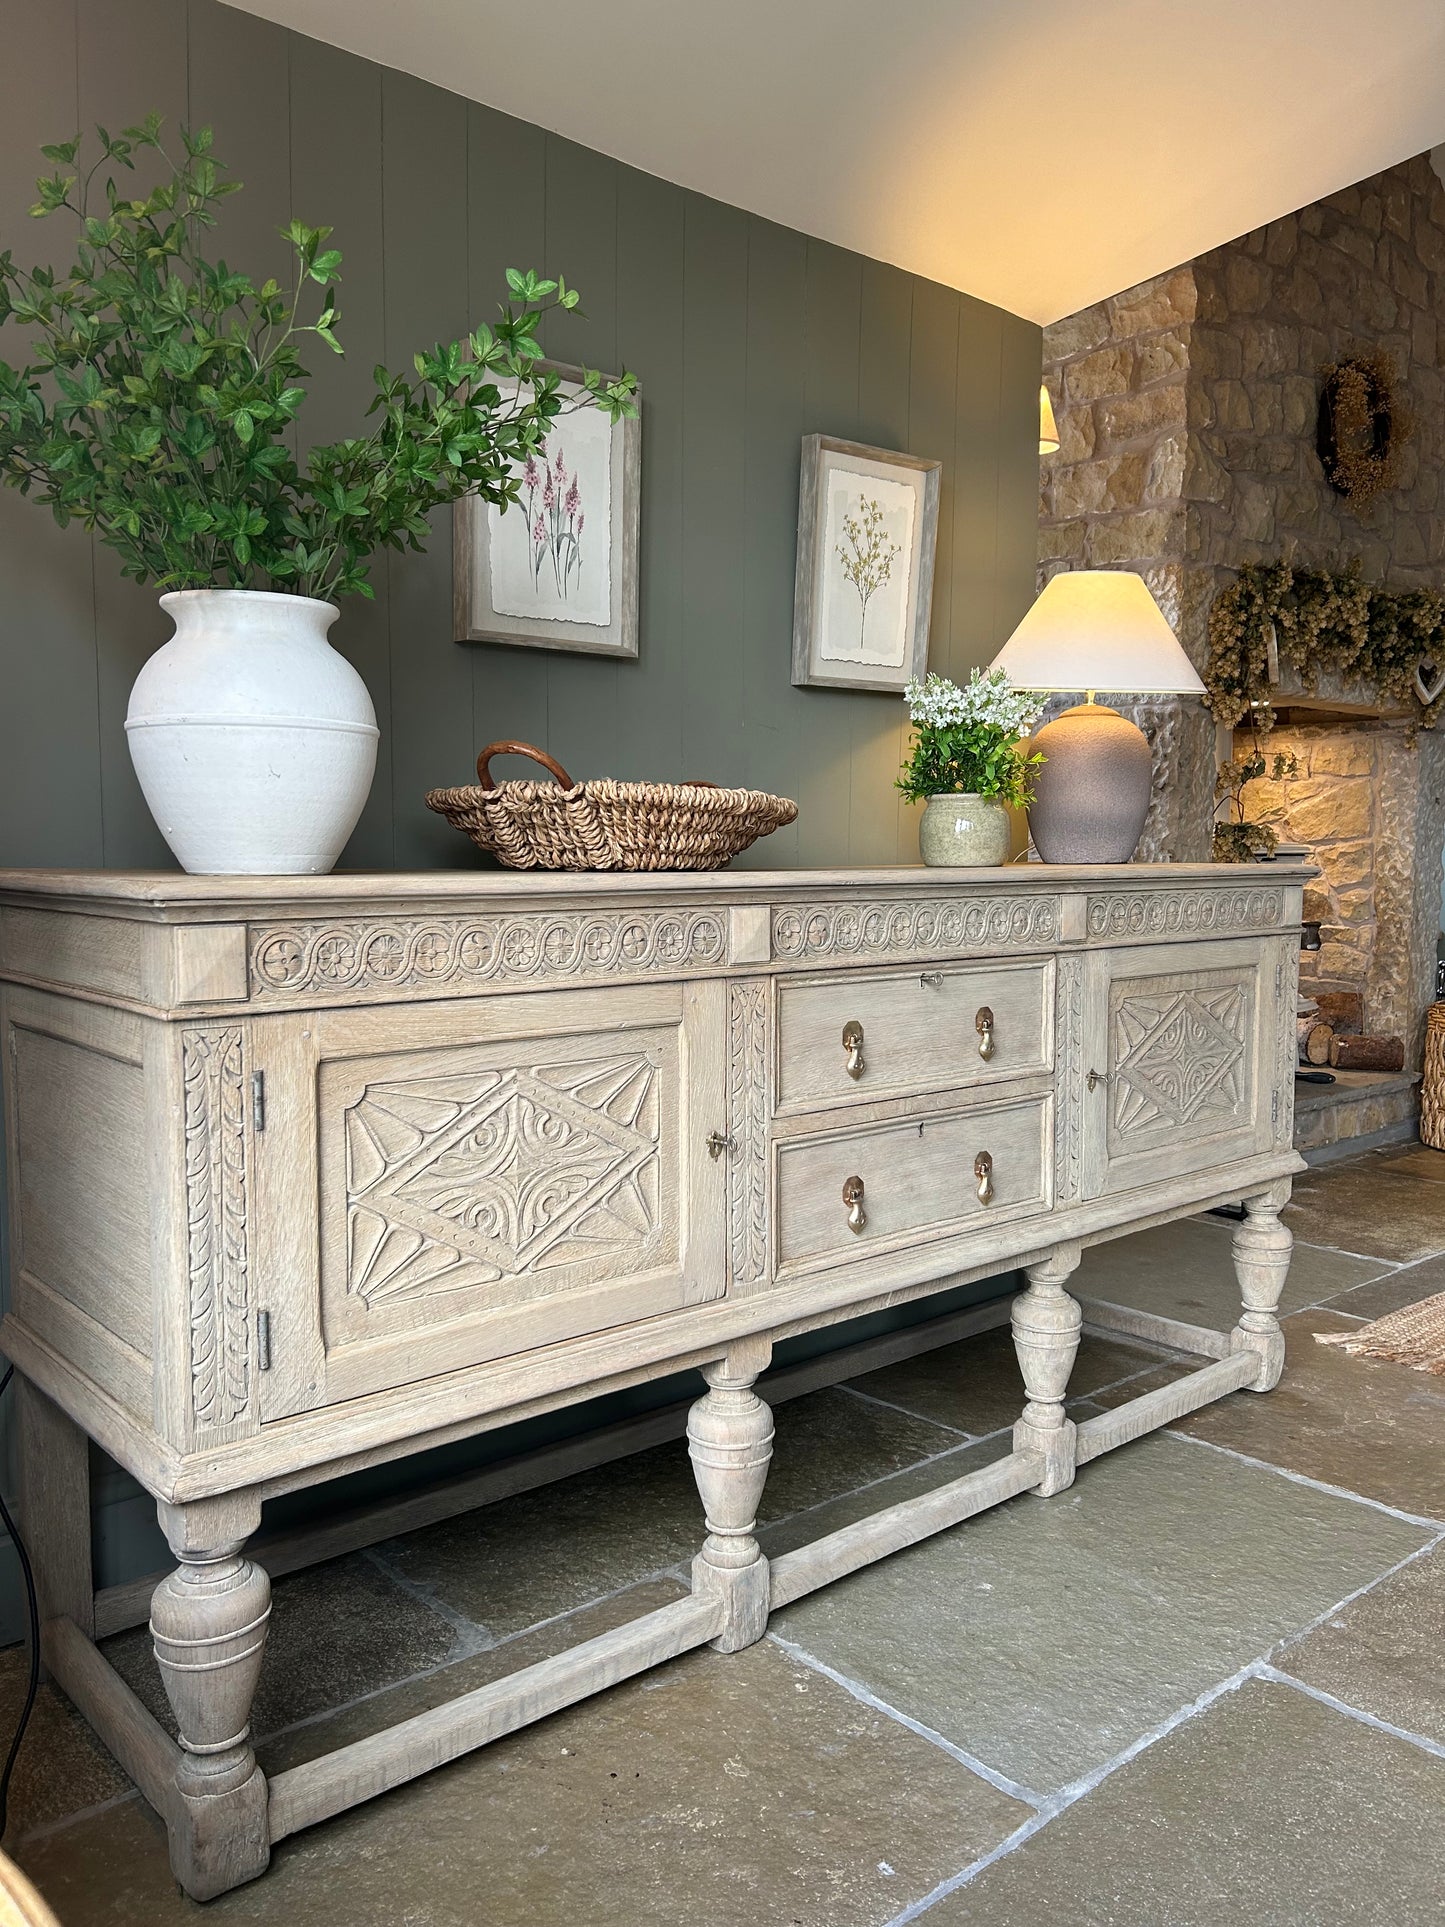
{"x":606,"y":825}
{"x":1432,"y":1090}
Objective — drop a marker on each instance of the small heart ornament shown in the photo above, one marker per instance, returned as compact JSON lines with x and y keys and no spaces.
{"x":1429,"y":692}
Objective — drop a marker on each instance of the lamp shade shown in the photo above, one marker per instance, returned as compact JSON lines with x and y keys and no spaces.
{"x":1048,"y":428}
{"x":1098,"y":629}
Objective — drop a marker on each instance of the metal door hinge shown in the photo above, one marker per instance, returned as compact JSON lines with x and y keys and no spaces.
{"x":263,"y":1341}
{"x":258,"y":1100}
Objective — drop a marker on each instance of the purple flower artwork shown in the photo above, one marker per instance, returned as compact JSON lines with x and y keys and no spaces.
{"x":543,"y":563}
{"x":553,"y":500}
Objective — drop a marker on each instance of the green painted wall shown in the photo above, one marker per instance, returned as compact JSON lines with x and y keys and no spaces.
{"x":746,"y":336}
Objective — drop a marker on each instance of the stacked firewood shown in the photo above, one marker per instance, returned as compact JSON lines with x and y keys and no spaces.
{"x":1332,"y":1032}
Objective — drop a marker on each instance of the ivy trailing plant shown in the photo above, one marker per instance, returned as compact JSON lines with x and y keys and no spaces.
{"x":1318,"y":621}
{"x":158,"y":403}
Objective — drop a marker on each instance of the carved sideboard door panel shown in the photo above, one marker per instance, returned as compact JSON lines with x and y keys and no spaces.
{"x":1178,"y":1063}
{"x":444,"y":1183}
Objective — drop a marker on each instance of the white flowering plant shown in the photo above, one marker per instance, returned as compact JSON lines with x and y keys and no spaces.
{"x":966,"y":741}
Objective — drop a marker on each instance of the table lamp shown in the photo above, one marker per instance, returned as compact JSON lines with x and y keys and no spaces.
{"x":1094,"y":629}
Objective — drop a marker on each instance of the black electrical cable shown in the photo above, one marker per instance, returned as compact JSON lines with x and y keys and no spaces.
{"x":33,"y":1606}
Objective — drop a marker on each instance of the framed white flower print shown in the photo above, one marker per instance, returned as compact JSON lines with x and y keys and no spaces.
{"x":867,"y":532}
{"x":559,"y":568}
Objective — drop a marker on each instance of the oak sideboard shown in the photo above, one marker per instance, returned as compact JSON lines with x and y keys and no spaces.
{"x":307,"y":1174}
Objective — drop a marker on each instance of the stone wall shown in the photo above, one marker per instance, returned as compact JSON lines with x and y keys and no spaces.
{"x":1186,"y":406}
{"x":1186,"y":410}
{"x":1335,"y":804}
{"x":1115,"y":497}
{"x":1365,"y":268}
{"x":1369,"y":801}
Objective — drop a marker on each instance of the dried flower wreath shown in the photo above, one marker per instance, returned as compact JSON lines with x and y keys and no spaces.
{"x":1361,"y":426}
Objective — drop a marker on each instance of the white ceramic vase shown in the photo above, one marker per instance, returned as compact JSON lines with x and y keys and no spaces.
{"x":254,"y":741}
{"x":964,"y":832}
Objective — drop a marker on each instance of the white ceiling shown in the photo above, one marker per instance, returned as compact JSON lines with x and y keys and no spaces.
{"x":1038,"y":153}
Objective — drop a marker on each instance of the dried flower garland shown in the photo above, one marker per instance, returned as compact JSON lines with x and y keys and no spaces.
{"x":1319,"y":622}
{"x":1360,"y":426}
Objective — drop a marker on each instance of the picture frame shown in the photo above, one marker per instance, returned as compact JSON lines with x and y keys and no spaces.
{"x":535,"y":577}
{"x":863,"y":590}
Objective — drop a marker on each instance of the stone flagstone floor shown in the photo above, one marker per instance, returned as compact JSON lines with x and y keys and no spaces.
{"x":1203,"y":1686}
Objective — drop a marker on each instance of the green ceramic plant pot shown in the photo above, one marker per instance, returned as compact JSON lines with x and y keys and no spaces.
{"x":964,"y":832}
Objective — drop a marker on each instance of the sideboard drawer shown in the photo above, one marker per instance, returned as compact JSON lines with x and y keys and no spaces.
{"x":919,"y":1180}
{"x":847,"y":1040}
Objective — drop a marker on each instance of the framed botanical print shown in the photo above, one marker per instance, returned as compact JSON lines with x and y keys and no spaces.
{"x":558,"y":569}
{"x":867,"y":531}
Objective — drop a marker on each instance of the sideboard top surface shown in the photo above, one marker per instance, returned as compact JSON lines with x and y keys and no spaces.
{"x":170,"y":895}
{"x":163,"y":944}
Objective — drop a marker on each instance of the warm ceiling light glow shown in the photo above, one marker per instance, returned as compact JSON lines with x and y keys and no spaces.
{"x":1048,"y":431}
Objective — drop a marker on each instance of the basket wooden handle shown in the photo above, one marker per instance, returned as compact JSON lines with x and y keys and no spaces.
{"x":484,"y":773}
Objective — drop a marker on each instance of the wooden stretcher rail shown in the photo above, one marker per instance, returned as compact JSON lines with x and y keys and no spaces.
{"x":803,"y":1571}
{"x":320,"y":1788}
{"x":1157,"y":1329}
{"x":1153,"y":1409}
{"x":147,"y":1752}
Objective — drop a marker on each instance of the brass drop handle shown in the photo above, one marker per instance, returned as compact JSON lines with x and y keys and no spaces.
{"x":929,"y":979}
{"x":853,"y":1044}
{"x":983,"y":1171}
{"x":983,"y":1024}
{"x":1096,"y":1078}
{"x":853,"y":1200}
{"x":717,"y":1144}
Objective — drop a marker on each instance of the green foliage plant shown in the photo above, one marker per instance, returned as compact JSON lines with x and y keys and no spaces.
{"x":158,"y":405}
{"x":966,"y":741}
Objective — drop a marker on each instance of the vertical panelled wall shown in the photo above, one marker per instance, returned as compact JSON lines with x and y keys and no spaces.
{"x":745,"y":336}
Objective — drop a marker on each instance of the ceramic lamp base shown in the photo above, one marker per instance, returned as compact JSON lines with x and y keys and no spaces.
{"x":1091,"y":795}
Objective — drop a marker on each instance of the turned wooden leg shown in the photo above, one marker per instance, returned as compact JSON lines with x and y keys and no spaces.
{"x":1262,"y":1247}
{"x":1046,"y":1322}
{"x":208,"y":1623}
{"x":54,"y":1505}
{"x":730,"y":1441}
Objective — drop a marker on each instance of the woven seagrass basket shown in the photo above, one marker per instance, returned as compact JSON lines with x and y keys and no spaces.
{"x":1432,"y":1090}
{"x":606,"y":825}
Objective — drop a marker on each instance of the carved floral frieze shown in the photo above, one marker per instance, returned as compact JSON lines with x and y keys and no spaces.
{"x":1168,"y":913}
{"x":903,"y":928}
{"x":749,"y":1100}
{"x":1068,"y":1104}
{"x":438,"y":953}
{"x":217,"y":1262}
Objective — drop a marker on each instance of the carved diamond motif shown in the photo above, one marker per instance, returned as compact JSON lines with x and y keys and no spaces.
{"x":459,"y":1181}
{"x":1178,"y":1057}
